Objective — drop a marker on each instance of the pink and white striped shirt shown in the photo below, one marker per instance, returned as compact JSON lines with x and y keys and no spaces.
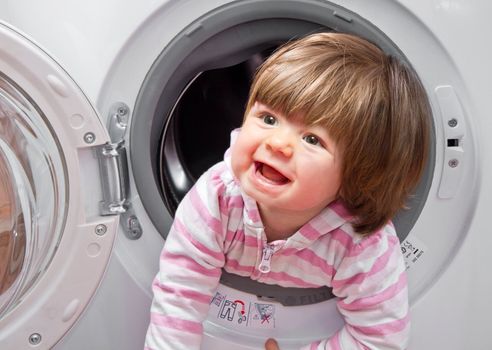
{"x":218,"y":226}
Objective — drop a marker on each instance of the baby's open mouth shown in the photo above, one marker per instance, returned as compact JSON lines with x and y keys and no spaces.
{"x":271,"y":174}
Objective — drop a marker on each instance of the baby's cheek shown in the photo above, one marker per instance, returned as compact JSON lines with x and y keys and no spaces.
{"x":237,"y":159}
{"x":316,"y":194}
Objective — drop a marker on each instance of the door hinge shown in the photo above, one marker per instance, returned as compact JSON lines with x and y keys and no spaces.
{"x":113,"y":167}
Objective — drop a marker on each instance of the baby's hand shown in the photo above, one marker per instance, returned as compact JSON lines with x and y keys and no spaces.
{"x":271,"y":344}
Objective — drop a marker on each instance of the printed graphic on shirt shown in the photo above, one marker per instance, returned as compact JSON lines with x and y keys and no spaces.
{"x":413,"y":251}
{"x":218,"y":298}
{"x":236,"y":312}
{"x":228,"y":310}
{"x":263,"y":316}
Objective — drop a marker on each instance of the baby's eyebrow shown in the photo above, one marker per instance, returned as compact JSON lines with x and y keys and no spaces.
{"x":271,"y":112}
{"x":265,"y":108}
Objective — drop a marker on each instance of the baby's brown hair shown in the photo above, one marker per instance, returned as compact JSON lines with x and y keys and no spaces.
{"x":373,"y":106}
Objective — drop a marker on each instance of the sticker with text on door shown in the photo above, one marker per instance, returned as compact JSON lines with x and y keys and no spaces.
{"x":240,"y":313}
{"x":413,"y":251}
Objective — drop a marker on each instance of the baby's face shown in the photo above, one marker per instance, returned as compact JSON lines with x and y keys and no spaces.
{"x":285,"y":164}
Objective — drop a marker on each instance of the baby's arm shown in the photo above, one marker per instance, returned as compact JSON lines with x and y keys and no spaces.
{"x":372,"y":285}
{"x":190,"y":268}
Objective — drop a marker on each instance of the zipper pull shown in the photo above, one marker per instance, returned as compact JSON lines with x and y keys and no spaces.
{"x":266,"y":258}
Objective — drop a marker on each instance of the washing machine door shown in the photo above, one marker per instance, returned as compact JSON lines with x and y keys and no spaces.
{"x":54,"y":244}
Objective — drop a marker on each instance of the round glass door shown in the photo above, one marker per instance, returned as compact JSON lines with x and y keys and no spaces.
{"x":54,"y":243}
{"x":32,"y":194}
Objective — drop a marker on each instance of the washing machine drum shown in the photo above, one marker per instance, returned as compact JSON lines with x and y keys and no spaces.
{"x":196,"y":92}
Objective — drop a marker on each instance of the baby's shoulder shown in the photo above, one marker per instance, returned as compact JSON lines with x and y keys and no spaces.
{"x":369,"y":253}
{"x":383,"y":239}
{"x":218,"y":181}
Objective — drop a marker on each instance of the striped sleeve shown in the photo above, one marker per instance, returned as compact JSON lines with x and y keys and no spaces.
{"x":190,"y":269}
{"x":371,"y":283}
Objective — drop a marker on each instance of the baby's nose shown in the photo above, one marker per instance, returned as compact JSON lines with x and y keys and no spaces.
{"x":281,"y":143}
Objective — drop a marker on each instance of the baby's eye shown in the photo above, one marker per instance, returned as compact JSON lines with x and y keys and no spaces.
{"x":269,"y":119}
{"x":312,"y":139}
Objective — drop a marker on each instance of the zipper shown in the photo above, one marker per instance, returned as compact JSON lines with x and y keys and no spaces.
{"x":266,"y":258}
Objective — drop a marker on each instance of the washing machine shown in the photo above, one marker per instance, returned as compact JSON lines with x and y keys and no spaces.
{"x":110,"y":110}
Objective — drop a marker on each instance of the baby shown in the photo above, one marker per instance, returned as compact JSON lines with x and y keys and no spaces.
{"x":334,"y":139}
